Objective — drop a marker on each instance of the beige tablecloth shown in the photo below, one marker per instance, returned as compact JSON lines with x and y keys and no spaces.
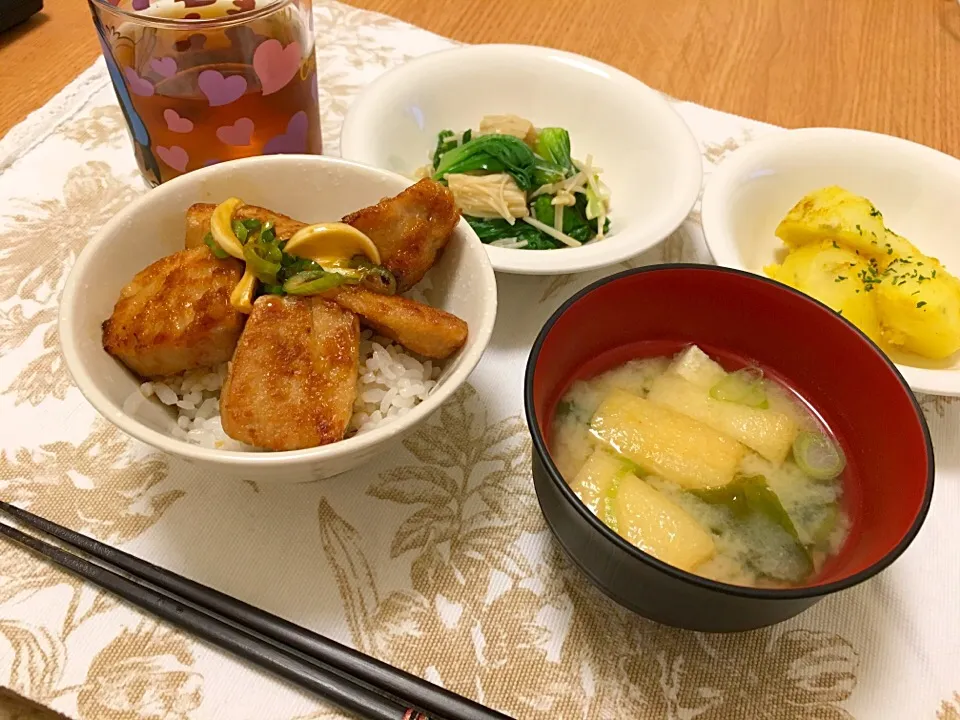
{"x":435,"y":558}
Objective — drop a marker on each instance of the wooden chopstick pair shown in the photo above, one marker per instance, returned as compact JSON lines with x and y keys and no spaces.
{"x":341,"y":675}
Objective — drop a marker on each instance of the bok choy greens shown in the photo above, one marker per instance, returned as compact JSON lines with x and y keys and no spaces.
{"x":508,"y":171}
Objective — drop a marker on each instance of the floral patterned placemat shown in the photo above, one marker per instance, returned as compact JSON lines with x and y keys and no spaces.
{"x":436,"y":558}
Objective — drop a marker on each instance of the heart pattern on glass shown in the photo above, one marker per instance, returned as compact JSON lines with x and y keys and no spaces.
{"x":138,"y":85}
{"x":221,"y":90}
{"x":164,"y":66}
{"x":276,"y":65}
{"x":238,"y":134}
{"x":293,"y":141}
{"x":175,"y":156}
{"x":175,"y":123}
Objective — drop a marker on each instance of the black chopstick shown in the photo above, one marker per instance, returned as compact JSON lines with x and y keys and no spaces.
{"x":331,"y":686}
{"x":346,"y":662}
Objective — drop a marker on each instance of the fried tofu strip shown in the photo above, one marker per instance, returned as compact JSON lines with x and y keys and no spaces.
{"x":418,"y":327}
{"x":293,"y":380}
{"x":409,"y":229}
{"x":175,"y":315}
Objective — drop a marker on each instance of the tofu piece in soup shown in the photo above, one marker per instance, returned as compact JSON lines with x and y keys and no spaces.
{"x":647,"y":518}
{"x":695,"y":366}
{"x":769,"y":433}
{"x":665,"y":443}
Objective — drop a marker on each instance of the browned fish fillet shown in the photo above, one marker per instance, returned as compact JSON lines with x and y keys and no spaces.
{"x":198,"y":221}
{"x":409,"y":229}
{"x":293,"y":380}
{"x":175,"y":315}
{"x":423,"y":329}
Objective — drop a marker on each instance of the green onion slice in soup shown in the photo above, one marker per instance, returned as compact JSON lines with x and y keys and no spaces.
{"x":743,"y":387}
{"x":818,"y":456}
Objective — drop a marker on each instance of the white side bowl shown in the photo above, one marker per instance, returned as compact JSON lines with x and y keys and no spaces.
{"x":915,"y":187}
{"x":651,"y":161}
{"x":310,"y":188}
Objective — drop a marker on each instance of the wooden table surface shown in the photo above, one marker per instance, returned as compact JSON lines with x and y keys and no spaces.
{"x":887,"y":65}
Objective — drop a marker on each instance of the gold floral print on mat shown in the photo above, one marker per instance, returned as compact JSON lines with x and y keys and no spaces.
{"x":675,"y":248}
{"x":36,"y":253}
{"x":16,"y":326}
{"x":936,"y":406}
{"x":320,"y":715}
{"x":714,"y":153}
{"x":44,"y":376}
{"x":340,"y":28}
{"x":527,"y":633}
{"x":473,"y":500}
{"x":40,"y":652}
{"x":142,"y":674}
{"x":950,"y":710}
{"x":38,"y":659}
{"x":115,"y":501}
{"x":335,"y":93}
{"x":22,"y":574}
{"x":97,"y":488}
{"x":38,"y":249}
{"x":104,"y":126}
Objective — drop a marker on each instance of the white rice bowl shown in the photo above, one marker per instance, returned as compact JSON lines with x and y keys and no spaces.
{"x":391,"y":382}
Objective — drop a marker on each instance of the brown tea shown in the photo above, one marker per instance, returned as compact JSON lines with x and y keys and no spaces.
{"x":203,"y":81}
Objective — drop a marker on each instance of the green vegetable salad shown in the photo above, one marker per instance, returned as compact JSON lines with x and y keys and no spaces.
{"x":519,"y":187}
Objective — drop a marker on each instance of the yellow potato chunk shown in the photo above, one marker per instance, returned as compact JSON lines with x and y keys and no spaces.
{"x":665,"y":443}
{"x":919,"y":307}
{"x":836,"y":277}
{"x":767,"y":432}
{"x":833,"y":213}
{"x":648,"y":519}
{"x":597,"y":478}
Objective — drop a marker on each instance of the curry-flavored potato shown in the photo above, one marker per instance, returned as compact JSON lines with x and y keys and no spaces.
{"x":836,"y":277}
{"x":833,"y":213}
{"x":919,"y":307}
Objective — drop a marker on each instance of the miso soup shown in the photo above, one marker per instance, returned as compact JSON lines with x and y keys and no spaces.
{"x":724,"y":474}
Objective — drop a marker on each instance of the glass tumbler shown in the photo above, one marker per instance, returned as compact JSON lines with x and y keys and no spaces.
{"x":203,"y":81}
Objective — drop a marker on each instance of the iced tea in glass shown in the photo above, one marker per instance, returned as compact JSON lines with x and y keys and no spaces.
{"x":203,"y":81}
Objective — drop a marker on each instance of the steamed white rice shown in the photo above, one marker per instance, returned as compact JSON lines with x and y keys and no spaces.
{"x":391,"y":382}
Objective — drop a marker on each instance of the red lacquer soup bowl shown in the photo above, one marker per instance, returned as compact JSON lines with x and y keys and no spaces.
{"x":739,"y":319}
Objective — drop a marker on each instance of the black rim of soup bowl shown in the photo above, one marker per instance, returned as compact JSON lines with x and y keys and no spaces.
{"x":605,"y":535}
